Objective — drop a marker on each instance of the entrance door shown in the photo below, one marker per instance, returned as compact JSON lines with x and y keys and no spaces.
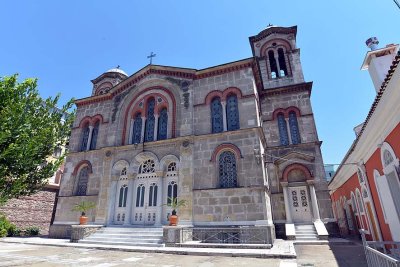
{"x":300,"y":204}
{"x":146,"y":205}
{"x":120,"y":204}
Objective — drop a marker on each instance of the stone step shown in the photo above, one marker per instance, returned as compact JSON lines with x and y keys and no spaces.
{"x":122,"y":239}
{"x":122,"y":243}
{"x":130,"y":235}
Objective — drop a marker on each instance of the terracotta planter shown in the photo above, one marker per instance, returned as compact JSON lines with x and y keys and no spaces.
{"x":83,"y":220}
{"x":173,"y":220}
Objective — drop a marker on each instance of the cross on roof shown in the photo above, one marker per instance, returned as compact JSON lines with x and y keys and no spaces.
{"x":151,"y":57}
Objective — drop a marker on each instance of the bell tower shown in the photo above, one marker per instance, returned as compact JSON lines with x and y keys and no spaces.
{"x":277,"y":57}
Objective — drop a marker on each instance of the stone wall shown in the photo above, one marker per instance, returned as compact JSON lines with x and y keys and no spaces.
{"x":34,"y":210}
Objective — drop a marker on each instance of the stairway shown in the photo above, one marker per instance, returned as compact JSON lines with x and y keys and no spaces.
{"x":126,"y":236}
{"x":306,"y":232}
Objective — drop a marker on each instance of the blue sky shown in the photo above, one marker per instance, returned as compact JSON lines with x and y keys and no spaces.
{"x":65,"y":44}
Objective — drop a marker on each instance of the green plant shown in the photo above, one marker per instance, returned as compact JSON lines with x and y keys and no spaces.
{"x":6,"y":227}
{"x":16,"y":232}
{"x":32,"y":231}
{"x":84,"y":206}
{"x":174,"y":203}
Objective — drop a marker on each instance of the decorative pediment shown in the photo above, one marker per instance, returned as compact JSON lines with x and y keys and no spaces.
{"x":294,"y":156}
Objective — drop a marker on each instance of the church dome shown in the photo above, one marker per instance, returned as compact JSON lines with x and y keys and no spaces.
{"x":117,"y":70}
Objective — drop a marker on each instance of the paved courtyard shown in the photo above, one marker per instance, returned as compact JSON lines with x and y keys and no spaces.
{"x":37,"y":255}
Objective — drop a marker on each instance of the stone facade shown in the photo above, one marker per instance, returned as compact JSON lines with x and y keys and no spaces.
{"x":204,"y":136}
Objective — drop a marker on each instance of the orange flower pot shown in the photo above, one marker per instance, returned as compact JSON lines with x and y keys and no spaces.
{"x":83,"y":220}
{"x":173,"y":220}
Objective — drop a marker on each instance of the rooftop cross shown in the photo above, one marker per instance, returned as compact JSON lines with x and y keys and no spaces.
{"x":118,"y":66}
{"x":151,"y":57}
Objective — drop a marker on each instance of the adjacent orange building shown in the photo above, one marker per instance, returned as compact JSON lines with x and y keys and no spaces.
{"x":365,"y":190}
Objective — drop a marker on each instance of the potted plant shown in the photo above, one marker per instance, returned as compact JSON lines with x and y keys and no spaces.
{"x":175,"y":204}
{"x":83,"y":207}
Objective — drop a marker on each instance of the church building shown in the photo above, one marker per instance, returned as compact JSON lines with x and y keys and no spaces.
{"x":237,"y":141}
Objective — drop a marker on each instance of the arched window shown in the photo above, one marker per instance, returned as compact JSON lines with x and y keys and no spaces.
{"x":387,"y":158}
{"x":172,"y":192}
{"x":227,"y":170}
{"x":353,"y":203}
{"x":360,"y":176}
{"x":272,"y":64}
{"x":153,"y":195}
{"x":140,"y":195}
{"x":232,"y":113}
{"x":294,"y":128}
{"x":171,"y":167}
{"x":282,"y":63}
{"x":150,"y":121}
{"x":283,"y":133}
{"x":123,"y":194}
{"x":162,"y":125}
{"x":95,"y":133}
{"x":85,"y":138}
{"x":216,"y":116}
{"x":123,"y":171}
{"x":83,"y":179}
{"x":137,"y":129}
{"x":147,"y":167}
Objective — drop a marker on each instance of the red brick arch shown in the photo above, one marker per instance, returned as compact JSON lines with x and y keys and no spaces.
{"x":278,"y":41}
{"x":296,"y":166}
{"x":91,"y":120}
{"x":223,"y":147}
{"x":286,"y":112}
{"x":80,"y":164}
{"x":231,"y":91}
{"x":146,"y":96}
{"x":211,"y":95}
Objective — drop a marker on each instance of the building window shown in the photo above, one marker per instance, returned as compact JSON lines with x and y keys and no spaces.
{"x":137,"y":129}
{"x":123,"y":171}
{"x":153,"y":195}
{"x":282,"y":63}
{"x":387,"y":157}
{"x":150,"y":121}
{"x":283,"y":133}
{"x":83,"y":179}
{"x":171,"y":167}
{"x":123,"y":194}
{"x":172,"y":192}
{"x":294,"y":128}
{"x":360,"y":176}
{"x":216,"y":116}
{"x":147,"y":167}
{"x":272,"y":64}
{"x":140,"y":195}
{"x":227,"y":170}
{"x":162,"y":125}
{"x":232,"y":113}
{"x":360,"y":202}
{"x":95,"y":133}
{"x":85,"y":138}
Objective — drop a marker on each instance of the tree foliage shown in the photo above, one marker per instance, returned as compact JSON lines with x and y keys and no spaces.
{"x":30,"y":129}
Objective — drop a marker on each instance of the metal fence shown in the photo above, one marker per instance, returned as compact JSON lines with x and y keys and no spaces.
{"x":230,"y":235}
{"x":381,"y":254}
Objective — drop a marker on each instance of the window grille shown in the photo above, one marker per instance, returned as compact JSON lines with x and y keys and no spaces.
{"x":83,"y":179}
{"x":216,"y":116}
{"x":95,"y":133}
{"x":283,"y":133}
{"x":162,"y":125}
{"x":232,"y":113}
{"x":150,"y":121}
{"x":227,"y":170}
{"x":294,"y":128}
{"x":137,"y":129}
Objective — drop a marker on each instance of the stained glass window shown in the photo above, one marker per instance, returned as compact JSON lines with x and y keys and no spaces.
{"x":227,"y":170}
{"x":95,"y":133}
{"x":137,"y":129}
{"x":172,"y":167}
{"x":150,"y":121}
{"x":162,"y":125}
{"x":83,"y":179}
{"x":283,"y":133}
{"x":216,"y":116}
{"x":85,"y":138}
{"x":294,"y":128}
{"x":232,"y":113}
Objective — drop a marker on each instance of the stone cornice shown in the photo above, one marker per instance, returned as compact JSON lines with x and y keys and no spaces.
{"x":300,"y":87}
